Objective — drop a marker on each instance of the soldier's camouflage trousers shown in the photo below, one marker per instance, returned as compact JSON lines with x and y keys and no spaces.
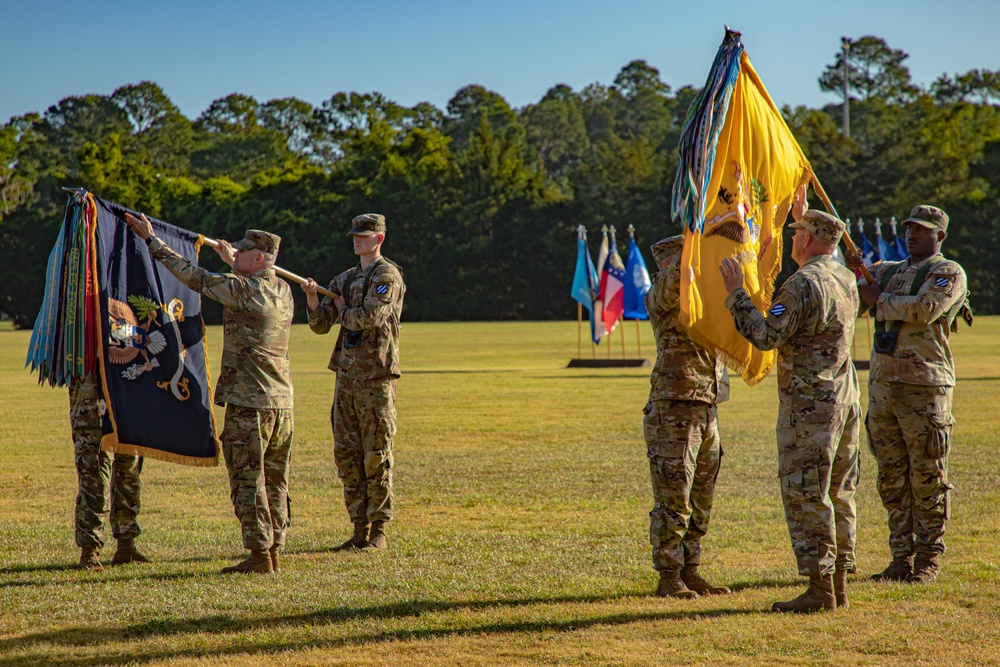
{"x":682,"y":443}
{"x":257,"y":446}
{"x":909,"y":433}
{"x":364,"y":424}
{"x":104,"y":486}
{"x":818,"y":467}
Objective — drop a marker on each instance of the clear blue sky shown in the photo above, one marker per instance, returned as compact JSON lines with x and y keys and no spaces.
{"x":427,"y":50}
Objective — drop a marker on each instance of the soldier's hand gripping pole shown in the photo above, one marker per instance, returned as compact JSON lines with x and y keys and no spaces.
{"x":847,"y":232}
{"x":212,"y":243}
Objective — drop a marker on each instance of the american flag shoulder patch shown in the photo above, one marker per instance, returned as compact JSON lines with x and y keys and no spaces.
{"x":777,"y":310}
{"x":381,"y":289}
{"x":941,"y":281}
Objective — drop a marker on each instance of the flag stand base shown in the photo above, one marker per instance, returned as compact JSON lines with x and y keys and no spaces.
{"x":608,"y":363}
{"x":862,"y":364}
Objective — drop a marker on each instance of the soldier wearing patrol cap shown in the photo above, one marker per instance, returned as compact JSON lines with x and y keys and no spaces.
{"x":681,"y":425}
{"x":255,"y":384}
{"x":811,"y":323}
{"x":915,"y":302}
{"x":366,"y":360}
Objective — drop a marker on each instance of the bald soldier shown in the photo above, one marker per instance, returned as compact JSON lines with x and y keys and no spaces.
{"x":811,"y":324}
{"x":255,"y":383}
{"x":681,"y":425}
{"x":915,"y":303}
{"x":366,"y":360}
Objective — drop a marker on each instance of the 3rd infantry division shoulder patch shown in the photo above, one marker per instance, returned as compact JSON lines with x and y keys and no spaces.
{"x":778,"y":310}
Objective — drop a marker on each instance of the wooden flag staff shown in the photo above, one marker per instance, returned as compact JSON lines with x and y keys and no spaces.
{"x":847,"y":233}
{"x":212,"y":243}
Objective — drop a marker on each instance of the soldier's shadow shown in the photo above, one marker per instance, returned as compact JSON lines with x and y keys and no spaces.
{"x":142,"y":635}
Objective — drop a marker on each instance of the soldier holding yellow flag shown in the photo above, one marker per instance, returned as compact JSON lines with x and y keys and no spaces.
{"x":811,"y":325}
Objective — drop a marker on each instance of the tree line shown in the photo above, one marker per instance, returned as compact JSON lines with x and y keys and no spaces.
{"x":482,"y":199}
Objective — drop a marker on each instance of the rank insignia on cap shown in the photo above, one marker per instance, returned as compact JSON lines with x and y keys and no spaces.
{"x":941,"y":282}
{"x":382,"y":289}
{"x":778,"y":310}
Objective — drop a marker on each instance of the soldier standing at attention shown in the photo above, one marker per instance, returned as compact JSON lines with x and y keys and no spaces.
{"x":366,"y":360}
{"x":255,"y":383}
{"x":681,"y":425}
{"x":811,"y":323}
{"x":910,"y":390}
{"x":98,"y":477}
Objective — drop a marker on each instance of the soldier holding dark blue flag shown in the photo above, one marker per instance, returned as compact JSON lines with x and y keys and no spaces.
{"x":100,"y":476}
{"x":255,"y":383}
{"x":366,"y":360}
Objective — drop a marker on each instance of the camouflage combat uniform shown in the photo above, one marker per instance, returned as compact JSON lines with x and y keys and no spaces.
{"x":366,"y":360}
{"x":909,"y":402}
{"x":99,"y":477}
{"x":811,"y":323}
{"x":255,"y":385}
{"x":681,"y":427}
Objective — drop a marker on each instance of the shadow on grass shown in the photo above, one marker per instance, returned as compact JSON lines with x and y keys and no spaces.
{"x":767,"y":583}
{"x":103,"y":578}
{"x":160,"y":629}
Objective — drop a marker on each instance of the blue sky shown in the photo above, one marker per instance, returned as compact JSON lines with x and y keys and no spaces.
{"x":415,"y":51}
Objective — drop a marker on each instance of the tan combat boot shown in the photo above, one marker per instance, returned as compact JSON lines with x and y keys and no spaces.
{"x":671,"y":585}
{"x":840,"y":588}
{"x":697,"y":583}
{"x":357,"y":540}
{"x":925,"y":569}
{"x":275,"y":559}
{"x":899,"y":569}
{"x":376,"y":541}
{"x":127,"y":553}
{"x":89,"y":560}
{"x":258,"y":562}
{"x":818,"y":597}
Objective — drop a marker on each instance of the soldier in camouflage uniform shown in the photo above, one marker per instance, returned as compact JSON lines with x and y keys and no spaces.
{"x":100,"y":476}
{"x":811,"y":323}
{"x":910,"y":386}
{"x":682,"y":435}
{"x":366,"y":360}
{"x":255,"y":383}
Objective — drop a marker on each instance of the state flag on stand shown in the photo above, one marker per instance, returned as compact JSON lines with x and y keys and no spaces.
{"x":637,"y":283}
{"x":899,"y":243}
{"x":868,"y":252}
{"x":612,"y":288}
{"x":886,"y":250}
{"x":585,"y":281}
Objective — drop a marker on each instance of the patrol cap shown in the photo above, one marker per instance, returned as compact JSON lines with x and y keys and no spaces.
{"x":367,"y":224}
{"x":664,"y":250}
{"x":821,"y":224}
{"x":928,"y":216}
{"x":259,"y":240}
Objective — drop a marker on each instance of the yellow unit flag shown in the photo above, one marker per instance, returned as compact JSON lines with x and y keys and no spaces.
{"x":757,"y":168}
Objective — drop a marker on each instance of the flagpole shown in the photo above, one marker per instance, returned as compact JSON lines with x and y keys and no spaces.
{"x":212,"y":243}
{"x":846,"y":237}
{"x":638,"y":338}
{"x":621,"y":325}
{"x":579,"y":329}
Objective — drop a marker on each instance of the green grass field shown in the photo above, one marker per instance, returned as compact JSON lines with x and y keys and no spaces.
{"x":521,"y":537}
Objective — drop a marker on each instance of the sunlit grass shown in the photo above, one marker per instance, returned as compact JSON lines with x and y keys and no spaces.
{"x":521,"y":535}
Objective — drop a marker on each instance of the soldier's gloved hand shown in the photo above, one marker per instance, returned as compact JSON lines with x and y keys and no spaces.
{"x":937,"y":444}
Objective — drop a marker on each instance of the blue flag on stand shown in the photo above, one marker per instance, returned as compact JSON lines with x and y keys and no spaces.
{"x":868,"y":253}
{"x":585,"y":280}
{"x":637,"y":283}
{"x":886,"y":250}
